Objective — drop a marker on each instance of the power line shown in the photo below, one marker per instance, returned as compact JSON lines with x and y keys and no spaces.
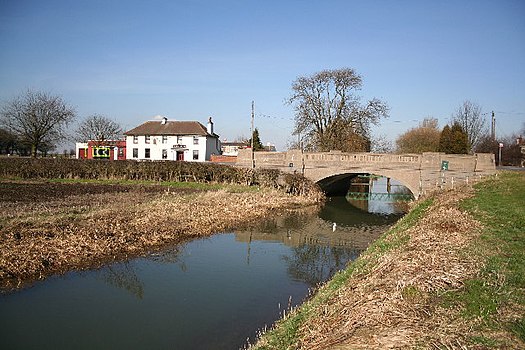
{"x":516,"y":113}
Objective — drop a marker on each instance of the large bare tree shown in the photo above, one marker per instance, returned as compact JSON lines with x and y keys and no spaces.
{"x":469,"y":116}
{"x":37,"y":118}
{"x":99,"y":128}
{"x":328,"y":113}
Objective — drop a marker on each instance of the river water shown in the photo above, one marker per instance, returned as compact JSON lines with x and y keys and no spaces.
{"x":210,"y":293}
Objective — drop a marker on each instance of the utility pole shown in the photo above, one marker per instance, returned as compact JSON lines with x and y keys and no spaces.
{"x":493,"y":127}
{"x":253,"y":155}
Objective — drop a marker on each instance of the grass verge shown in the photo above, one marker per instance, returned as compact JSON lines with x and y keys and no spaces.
{"x":494,"y":300}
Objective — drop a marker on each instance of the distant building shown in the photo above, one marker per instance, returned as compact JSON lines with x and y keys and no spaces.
{"x":232,"y":148}
{"x":172,"y":140}
{"x":109,"y":149}
{"x":270,"y":147}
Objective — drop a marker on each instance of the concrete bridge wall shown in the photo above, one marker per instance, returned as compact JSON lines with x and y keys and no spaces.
{"x":418,"y":172}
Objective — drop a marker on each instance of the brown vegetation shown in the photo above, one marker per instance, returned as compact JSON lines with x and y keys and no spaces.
{"x":424,"y":138}
{"x":48,"y":228}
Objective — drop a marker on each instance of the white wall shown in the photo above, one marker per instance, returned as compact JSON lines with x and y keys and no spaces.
{"x":156,"y":146}
{"x":78,"y":146}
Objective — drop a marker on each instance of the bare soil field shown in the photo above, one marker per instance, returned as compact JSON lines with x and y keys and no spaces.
{"x":48,"y":228}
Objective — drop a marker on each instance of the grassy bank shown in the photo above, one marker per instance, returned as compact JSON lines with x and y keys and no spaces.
{"x":449,"y":275}
{"x":54,"y":226}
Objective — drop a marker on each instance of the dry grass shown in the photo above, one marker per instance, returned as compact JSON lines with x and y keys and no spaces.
{"x":53,"y":228}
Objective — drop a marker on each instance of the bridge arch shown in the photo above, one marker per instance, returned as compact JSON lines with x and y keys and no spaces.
{"x":338,"y":184}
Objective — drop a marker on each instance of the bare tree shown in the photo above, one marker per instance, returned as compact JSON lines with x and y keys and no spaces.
{"x":328,"y":114}
{"x":381,"y":144}
{"x":469,"y":116}
{"x":99,"y":129}
{"x":37,"y":118}
{"x":424,"y":138}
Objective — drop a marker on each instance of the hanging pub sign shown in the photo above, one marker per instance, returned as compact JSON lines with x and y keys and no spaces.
{"x":444,"y":165}
{"x":101,"y":152}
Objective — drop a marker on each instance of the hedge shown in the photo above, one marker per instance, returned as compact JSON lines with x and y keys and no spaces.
{"x":50,"y":168}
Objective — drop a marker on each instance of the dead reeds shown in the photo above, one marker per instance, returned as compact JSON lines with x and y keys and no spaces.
{"x":49,"y":228}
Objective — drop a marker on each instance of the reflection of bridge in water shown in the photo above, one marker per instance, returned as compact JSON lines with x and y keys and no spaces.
{"x":377,"y":196}
{"x":356,"y":233}
{"x":334,"y":170}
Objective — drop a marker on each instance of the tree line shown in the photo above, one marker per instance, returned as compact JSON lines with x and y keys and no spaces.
{"x":34,"y":123}
{"x":467,"y":133}
{"x":330,"y":115}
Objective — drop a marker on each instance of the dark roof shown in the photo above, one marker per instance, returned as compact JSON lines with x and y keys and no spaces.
{"x":169,"y":128}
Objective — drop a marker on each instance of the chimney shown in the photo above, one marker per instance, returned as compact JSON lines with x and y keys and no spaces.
{"x":209,"y":127}
{"x":164,"y":120}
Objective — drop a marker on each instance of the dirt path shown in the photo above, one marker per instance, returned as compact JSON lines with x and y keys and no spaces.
{"x":49,"y":228}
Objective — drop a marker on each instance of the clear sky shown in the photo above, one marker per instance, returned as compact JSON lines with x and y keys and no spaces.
{"x":187,"y":60}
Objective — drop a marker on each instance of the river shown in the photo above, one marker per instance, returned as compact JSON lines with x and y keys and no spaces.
{"x":210,"y":293}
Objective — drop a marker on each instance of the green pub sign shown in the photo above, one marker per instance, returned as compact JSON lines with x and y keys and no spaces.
{"x":444,"y":165}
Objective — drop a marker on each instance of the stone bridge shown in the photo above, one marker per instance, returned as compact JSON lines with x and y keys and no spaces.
{"x":334,"y":170}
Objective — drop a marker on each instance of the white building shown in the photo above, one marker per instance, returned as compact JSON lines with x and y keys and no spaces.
{"x":172,"y":140}
{"x":232,"y":148}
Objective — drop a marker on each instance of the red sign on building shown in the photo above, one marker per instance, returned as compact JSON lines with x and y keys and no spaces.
{"x":110,"y":150}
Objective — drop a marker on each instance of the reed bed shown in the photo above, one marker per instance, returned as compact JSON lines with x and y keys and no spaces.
{"x":48,"y":228}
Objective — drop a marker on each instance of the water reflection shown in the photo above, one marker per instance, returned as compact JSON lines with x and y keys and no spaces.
{"x":316,"y":264}
{"x":319,"y":250}
{"x":379,"y":195}
{"x":124,"y":276}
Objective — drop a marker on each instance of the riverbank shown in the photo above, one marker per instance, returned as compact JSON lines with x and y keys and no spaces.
{"x":53,"y":227}
{"x":449,"y":275}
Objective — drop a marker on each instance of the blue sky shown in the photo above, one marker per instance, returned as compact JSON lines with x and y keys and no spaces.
{"x":187,"y":60}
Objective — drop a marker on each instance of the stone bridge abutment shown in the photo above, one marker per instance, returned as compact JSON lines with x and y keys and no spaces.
{"x":420,"y":173}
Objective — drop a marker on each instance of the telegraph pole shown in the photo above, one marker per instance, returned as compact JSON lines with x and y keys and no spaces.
{"x":253,"y":155}
{"x":493,"y":130}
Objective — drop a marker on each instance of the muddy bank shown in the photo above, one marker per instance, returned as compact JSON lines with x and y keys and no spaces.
{"x":48,"y":228}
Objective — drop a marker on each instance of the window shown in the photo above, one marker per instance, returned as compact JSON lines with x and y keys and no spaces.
{"x":195,"y":155}
{"x":135,"y":152}
{"x":164,"y":139}
{"x":135,"y":139}
{"x":195,"y":140}
{"x":147,"y":138}
{"x":179,"y":140}
{"x":164,"y":154}
{"x":147,"y":153}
